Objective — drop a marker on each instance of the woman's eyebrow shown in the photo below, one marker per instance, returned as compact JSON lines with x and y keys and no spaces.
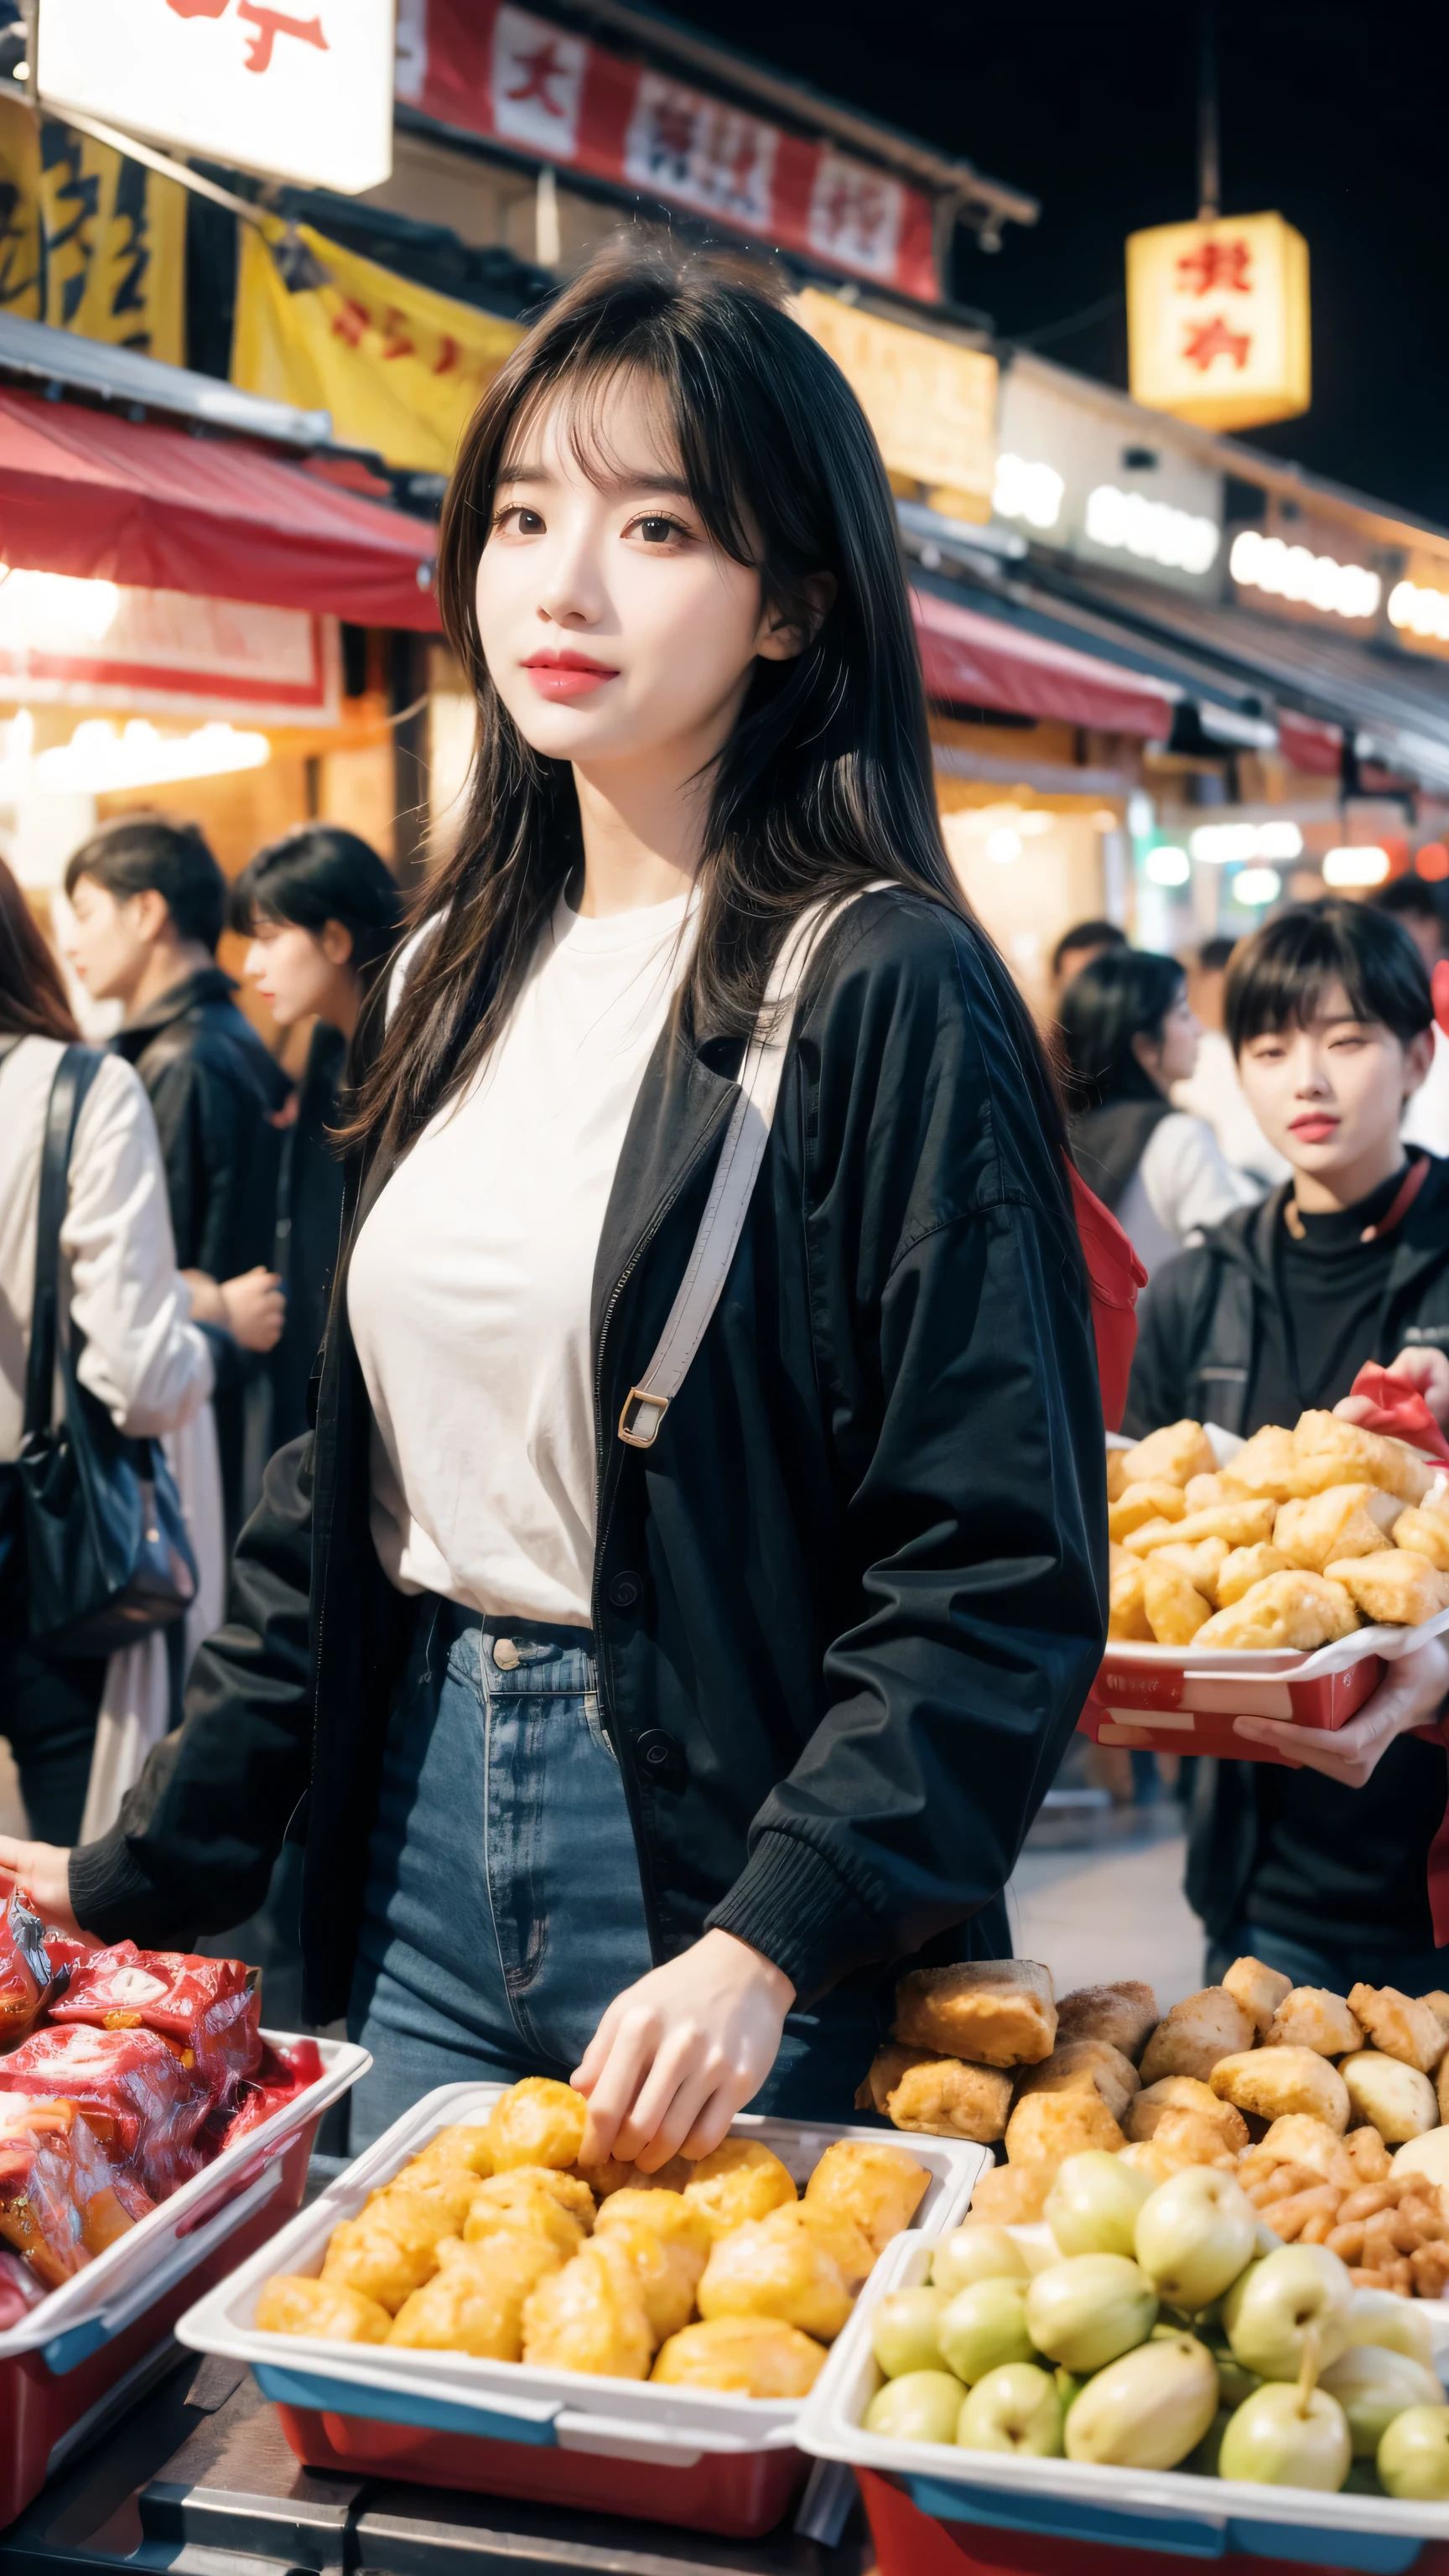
{"x":619,"y":486}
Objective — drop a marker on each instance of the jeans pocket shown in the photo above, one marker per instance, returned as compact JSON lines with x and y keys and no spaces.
{"x":596,"y":1728}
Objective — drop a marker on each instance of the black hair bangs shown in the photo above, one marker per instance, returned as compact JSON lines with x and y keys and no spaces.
{"x":1278,"y":979}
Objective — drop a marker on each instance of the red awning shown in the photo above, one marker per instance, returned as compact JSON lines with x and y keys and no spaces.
{"x":105,"y":499}
{"x":1310,"y":743}
{"x":973,"y":660}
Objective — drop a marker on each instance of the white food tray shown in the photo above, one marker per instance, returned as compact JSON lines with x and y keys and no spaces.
{"x":501,"y":2400}
{"x":1136,"y":2508}
{"x":172,"y":2239}
{"x":1213,"y":1663}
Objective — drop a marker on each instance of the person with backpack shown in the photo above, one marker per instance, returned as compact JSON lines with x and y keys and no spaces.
{"x":699,"y":1563}
{"x":1321,"y":1869}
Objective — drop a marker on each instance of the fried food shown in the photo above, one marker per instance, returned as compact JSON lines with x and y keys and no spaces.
{"x":776,"y":2267}
{"x":463,"y":2146}
{"x":1265,"y":2083}
{"x":1174,"y":1606}
{"x":1149,"y":1501}
{"x":940,"y":2096}
{"x":1268,"y":1466}
{"x":879,"y":2186}
{"x":1180,"y":1450}
{"x":996,"y":2012}
{"x":1125,"y":2015}
{"x":389,"y":2249}
{"x":1324,"y":1439}
{"x":1424,"y":1533}
{"x":1201,"y":1564}
{"x":1245,"y":1566}
{"x":1076,"y":2065}
{"x":1258,"y":1989}
{"x":617,"y":2174}
{"x":751,"y":2356}
{"x":1184,"y":2137}
{"x":1299,"y":2139}
{"x":588,"y":2317}
{"x":1311,"y":2017}
{"x":1186,"y":2093}
{"x":1368,"y":2155}
{"x":670,"y":2215}
{"x":475,"y":2300}
{"x":1301,"y":1611}
{"x":1347,"y":1520}
{"x":843,"y":2238}
{"x":1394,"y":2098}
{"x":290,"y":2304}
{"x":537,"y":2122}
{"x":517,"y":2200}
{"x":1046,"y":2128}
{"x":448,"y":2189}
{"x":739,"y":2182}
{"x":1190,"y":2039}
{"x":1243,"y":1524}
{"x":662,"y":2276}
{"x":1438,"y":2003}
{"x":1201,"y":1492}
{"x":1118,"y":1479}
{"x":1395,"y":1589}
{"x":1014,"y":2195}
{"x":1127,"y":1619}
{"x":1400,"y":2027}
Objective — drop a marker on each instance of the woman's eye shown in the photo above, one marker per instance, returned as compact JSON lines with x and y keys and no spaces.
{"x":656,"y":530}
{"x":521,"y":521}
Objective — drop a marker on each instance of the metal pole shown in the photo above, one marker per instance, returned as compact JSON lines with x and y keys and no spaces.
{"x":1209,"y":178}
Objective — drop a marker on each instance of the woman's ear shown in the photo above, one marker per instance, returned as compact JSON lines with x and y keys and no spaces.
{"x":782,"y":638}
{"x":1148,"y":1051}
{"x":335,"y":942}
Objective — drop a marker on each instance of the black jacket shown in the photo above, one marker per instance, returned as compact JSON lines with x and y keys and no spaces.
{"x":214,"y":1090}
{"x":1200,"y":1332}
{"x":309,"y":1224}
{"x":846,"y":1609}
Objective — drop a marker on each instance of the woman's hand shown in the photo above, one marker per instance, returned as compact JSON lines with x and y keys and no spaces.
{"x":43,"y":1870}
{"x":1425,"y":1370}
{"x":254,"y":1309}
{"x":1412,"y":1693}
{"x":678,"y":2054}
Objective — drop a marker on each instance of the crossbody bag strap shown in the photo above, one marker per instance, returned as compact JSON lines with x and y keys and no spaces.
{"x":736,"y":1172}
{"x":74,"y":1075}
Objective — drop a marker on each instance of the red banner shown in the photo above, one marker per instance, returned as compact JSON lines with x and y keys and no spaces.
{"x":492,"y":69}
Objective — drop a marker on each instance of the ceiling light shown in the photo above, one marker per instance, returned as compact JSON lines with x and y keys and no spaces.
{"x":101,"y":757}
{"x":1293,"y":572}
{"x":1222,"y":844}
{"x":1003,"y":847}
{"x":1129,"y":523}
{"x":1256,"y":886}
{"x":1359,"y":866}
{"x":1279,"y":841}
{"x":1167,"y":867}
{"x":1420,"y":609}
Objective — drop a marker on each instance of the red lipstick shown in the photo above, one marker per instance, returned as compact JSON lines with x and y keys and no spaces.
{"x":1315,"y":1128}
{"x":567,"y":675}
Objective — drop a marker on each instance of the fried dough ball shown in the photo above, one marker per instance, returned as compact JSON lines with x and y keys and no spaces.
{"x":1268,"y":2082}
{"x":1186,"y":2093}
{"x":1191,"y":2038}
{"x":1015,"y":2195}
{"x":1127,"y":1619}
{"x":941,"y":2096}
{"x":1046,"y":2128}
{"x":1180,"y":1450}
{"x":448,"y":2189}
{"x":1125,"y":2015}
{"x":1174,"y":1606}
{"x":1269,"y":1466}
{"x":776,"y":2267}
{"x":843,"y":2238}
{"x":663,"y":2276}
{"x":751,"y":2356}
{"x":1202,"y":1492}
{"x":518,"y":2201}
{"x":1244,"y":1524}
{"x":739,"y":2182}
{"x":458,"y":2146}
{"x":1201,"y":1564}
{"x":617,"y":2174}
{"x":1118,"y":1479}
{"x":1184,"y":2137}
{"x":537,"y":2122}
{"x":389,"y":2249}
{"x":1149,"y":1501}
{"x":1424,"y":1533}
{"x":1294,"y":1610}
{"x":670,"y":2215}
{"x":1394,"y":2098}
{"x":290,"y":2304}
{"x":1360,"y":1456}
{"x":1258,"y":1989}
{"x":1394,"y":1589}
{"x":1368,"y":2156}
{"x":878,"y":2186}
{"x":588,"y":2317}
{"x":1311,"y":2017}
{"x":475,"y":2300}
{"x":995,"y":2012}
{"x":1297,"y":2138}
{"x":1245,"y":1566}
{"x":1078,"y":2064}
{"x":1347,"y":1520}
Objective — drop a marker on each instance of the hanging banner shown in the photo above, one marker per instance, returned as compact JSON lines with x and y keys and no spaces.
{"x":399,"y":368}
{"x":931,"y":403}
{"x":1217,"y":321}
{"x":485,"y":67}
{"x":89,"y":241}
{"x":65,"y":642}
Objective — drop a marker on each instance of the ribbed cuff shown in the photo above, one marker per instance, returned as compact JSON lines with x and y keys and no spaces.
{"x":791,"y":1905}
{"x":111,"y":1896}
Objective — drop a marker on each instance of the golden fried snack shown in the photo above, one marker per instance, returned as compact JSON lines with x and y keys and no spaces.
{"x":1362,"y":1456}
{"x":290,"y":2304}
{"x":941,"y":2097}
{"x":881,"y":2187}
{"x":1438,"y":2003}
{"x":389,"y":2249}
{"x":588,"y":2317}
{"x":1046,"y":2128}
{"x":1394,"y":1589}
{"x":1191,"y":2038}
{"x":1347,"y":1520}
{"x":1267,"y":2082}
{"x":663,"y":2277}
{"x":1201,"y":1492}
{"x":617,"y":2174}
{"x":1201,"y":1564}
{"x":1186,"y":2093}
{"x":1368,"y":2155}
{"x":671,"y":2216}
{"x":1126,"y":1608}
{"x":447,"y":2189}
{"x":1311,"y":2017}
{"x":1014,"y":2195}
{"x":463,"y":2146}
{"x":1400,"y":2027}
{"x":1300,"y":1611}
{"x":1187,"y":2138}
{"x":1153,"y":1501}
{"x":1424,"y":1533}
{"x":751,"y":2356}
{"x":1394,"y":2098}
{"x":843,"y":2238}
{"x":1244,"y":1524}
{"x":1298,"y":2138}
{"x":775,"y":2267}
{"x":1244,"y":1566}
{"x":884,"y":2073}
{"x":740,"y":2181}
{"x":1258,"y":1989}
{"x":1125,"y":2015}
{"x":515,"y":2201}
{"x":1180,"y":1450}
{"x":996,"y":2012}
{"x":475,"y":2300}
{"x":1118,"y":1479}
{"x":1076,"y":2065}
{"x":1268,"y":1466}
{"x":537,"y":2122}
{"x":1174,"y":1606}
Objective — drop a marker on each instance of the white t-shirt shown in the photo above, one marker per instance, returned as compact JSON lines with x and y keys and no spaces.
{"x":1181,"y":1189}
{"x":470,"y":1283}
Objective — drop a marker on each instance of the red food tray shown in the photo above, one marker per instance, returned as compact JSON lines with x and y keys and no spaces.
{"x":1158,"y":1703}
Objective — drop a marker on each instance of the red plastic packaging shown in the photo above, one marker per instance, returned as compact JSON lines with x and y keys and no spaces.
{"x":63,"y":2198}
{"x":204,"y":2005}
{"x":33,"y":1966}
{"x":279,"y":2075}
{"x":19,"y":2289}
{"x":144,"y":2104}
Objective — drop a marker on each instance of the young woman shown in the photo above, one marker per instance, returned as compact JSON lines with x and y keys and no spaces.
{"x":657,"y":1762}
{"x":1129,"y":1033}
{"x":320,"y":912}
{"x":1321,"y":1869}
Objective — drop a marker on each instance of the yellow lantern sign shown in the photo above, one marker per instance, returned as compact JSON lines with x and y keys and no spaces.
{"x":1217,"y":320}
{"x":931,"y":402}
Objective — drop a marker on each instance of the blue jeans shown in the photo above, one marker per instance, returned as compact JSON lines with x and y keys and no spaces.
{"x":1339,"y":1967}
{"x":503,"y":1909}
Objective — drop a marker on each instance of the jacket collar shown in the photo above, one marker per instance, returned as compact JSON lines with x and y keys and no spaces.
{"x":1421,"y":1242}
{"x":208,"y":984}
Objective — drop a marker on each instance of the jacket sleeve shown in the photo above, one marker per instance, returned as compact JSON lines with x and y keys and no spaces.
{"x":148,"y":1365}
{"x":954,"y":1347}
{"x":196,"y":1839}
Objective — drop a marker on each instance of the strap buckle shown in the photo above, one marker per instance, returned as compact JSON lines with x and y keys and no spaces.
{"x":641,"y":1417}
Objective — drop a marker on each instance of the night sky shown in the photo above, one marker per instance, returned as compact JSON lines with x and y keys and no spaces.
{"x":1335,"y":113}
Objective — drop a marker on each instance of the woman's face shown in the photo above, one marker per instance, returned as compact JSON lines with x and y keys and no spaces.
{"x":1171,"y":1057}
{"x":300,"y":974}
{"x":616,"y":631}
{"x":1330,"y":1095}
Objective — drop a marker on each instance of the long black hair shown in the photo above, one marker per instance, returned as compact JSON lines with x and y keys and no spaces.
{"x":1124,"y":994}
{"x":32,"y":996}
{"x":317,"y":873}
{"x":826,"y":780}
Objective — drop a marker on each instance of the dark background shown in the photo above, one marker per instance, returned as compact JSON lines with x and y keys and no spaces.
{"x":1334,"y":113}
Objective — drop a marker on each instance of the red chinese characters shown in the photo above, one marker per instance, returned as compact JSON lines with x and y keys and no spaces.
{"x":1210,"y":264}
{"x":264,"y":27}
{"x":1204,"y":341}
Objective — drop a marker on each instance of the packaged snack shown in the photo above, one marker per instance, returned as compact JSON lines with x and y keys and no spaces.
{"x":279,"y":2076}
{"x":207,"y":2007}
{"x":143,"y":2102}
{"x":20,"y":2291}
{"x":63,"y":2196}
{"x":34,"y":1966}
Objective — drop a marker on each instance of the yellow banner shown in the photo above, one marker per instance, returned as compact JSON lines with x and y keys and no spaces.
{"x":89,"y":241}
{"x":399,"y":368}
{"x":931,"y":403}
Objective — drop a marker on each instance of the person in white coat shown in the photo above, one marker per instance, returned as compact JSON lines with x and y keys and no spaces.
{"x":143,"y":1358}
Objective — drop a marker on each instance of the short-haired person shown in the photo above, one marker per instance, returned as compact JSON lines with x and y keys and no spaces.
{"x":1213,"y":1090}
{"x":1321,"y":1871}
{"x":148,"y":905}
{"x":320,"y":913}
{"x":1129,"y":1033}
{"x":1424,"y":911}
{"x":1078,"y":946}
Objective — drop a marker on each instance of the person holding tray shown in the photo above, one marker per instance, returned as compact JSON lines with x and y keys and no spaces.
{"x":1321,"y":1871}
{"x":643,"y":1714}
